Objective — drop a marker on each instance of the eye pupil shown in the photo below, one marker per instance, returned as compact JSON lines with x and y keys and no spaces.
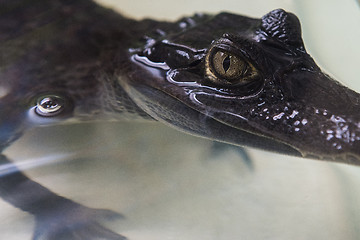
{"x":225,"y":68}
{"x":226,"y":63}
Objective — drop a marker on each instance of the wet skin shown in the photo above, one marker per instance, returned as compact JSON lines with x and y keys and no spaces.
{"x":225,"y":77}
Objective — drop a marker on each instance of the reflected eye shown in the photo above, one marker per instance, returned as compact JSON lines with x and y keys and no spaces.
{"x":227,"y":69}
{"x":49,"y":105}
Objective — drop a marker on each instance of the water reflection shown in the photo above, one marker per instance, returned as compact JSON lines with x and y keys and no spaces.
{"x":169,"y":185}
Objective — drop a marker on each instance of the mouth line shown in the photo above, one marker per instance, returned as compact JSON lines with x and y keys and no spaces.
{"x":345,"y":158}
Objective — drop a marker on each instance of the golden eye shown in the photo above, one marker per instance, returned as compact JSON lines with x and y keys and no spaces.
{"x":227,"y":65}
{"x":225,"y":68}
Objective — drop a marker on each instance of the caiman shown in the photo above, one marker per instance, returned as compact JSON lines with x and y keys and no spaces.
{"x":226,"y":77}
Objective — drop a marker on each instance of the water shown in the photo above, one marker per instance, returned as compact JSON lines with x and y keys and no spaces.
{"x":170,"y":185}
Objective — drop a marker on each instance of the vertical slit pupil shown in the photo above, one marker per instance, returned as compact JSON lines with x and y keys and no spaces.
{"x":226,"y":63}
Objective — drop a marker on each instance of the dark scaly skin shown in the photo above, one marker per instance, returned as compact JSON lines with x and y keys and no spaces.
{"x":104,"y":66}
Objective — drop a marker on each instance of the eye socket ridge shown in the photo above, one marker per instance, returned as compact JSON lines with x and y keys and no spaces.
{"x":226,"y":65}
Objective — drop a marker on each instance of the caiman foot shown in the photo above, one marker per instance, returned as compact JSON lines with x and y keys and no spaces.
{"x":219,"y":148}
{"x":75,"y":222}
{"x":56,"y":217}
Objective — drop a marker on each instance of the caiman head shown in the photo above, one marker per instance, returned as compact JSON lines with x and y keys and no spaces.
{"x":248,"y":82}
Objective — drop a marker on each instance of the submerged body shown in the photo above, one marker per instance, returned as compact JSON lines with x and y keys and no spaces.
{"x":226,"y":77}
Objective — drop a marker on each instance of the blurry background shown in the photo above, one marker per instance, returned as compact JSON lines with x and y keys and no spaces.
{"x":170,"y":185}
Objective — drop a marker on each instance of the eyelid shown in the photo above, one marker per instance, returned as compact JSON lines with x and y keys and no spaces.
{"x":245,"y":48}
{"x":232,"y":50}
